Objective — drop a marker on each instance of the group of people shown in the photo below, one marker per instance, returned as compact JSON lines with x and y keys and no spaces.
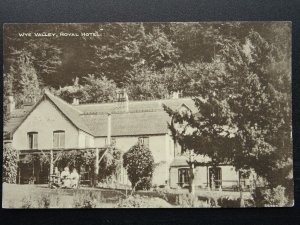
{"x":65,"y":179}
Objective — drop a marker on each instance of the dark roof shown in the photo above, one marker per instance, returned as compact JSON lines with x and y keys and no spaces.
{"x":135,"y":106}
{"x":143,"y":117}
{"x":16,"y":118}
{"x":126,"y":124}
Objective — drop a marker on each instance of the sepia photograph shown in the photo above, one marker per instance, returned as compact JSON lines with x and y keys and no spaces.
{"x":147,"y":115}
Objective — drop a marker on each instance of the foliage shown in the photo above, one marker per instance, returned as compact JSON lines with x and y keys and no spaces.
{"x":76,"y":159}
{"x":270,"y":197}
{"x":241,"y":106}
{"x":94,"y":90}
{"x":21,"y":78}
{"x":228,"y":202}
{"x":85,"y":200}
{"x":144,"y":84}
{"x":139,"y":163}
{"x":138,"y":201}
{"x":110,"y":164}
{"x":10,"y":164}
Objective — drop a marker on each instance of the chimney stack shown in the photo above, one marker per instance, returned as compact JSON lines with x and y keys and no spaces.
{"x":122,"y":99}
{"x":11,"y":104}
{"x":75,"y":101}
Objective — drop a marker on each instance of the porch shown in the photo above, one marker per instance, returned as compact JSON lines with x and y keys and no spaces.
{"x":37,"y":166}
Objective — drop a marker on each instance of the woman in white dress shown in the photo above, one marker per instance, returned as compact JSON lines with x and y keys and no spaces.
{"x":65,"y":178}
{"x":74,"y":178}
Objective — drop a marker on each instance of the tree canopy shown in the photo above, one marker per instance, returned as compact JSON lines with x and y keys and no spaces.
{"x":243,"y":98}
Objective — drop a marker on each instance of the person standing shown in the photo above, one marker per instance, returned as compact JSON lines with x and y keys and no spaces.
{"x":74,"y":178}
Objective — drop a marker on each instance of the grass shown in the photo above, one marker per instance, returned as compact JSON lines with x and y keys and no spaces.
{"x":35,"y":196}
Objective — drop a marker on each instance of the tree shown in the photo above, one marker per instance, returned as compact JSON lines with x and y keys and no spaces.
{"x":139,"y":163}
{"x":93,"y":90}
{"x":10,"y":165}
{"x":110,"y":163}
{"x":144,"y":84}
{"x":23,"y":79}
{"x":241,"y":106}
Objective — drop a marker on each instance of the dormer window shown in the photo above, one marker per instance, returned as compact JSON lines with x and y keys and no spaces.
{"x":32,"y":140}
{"x":59,"y":139}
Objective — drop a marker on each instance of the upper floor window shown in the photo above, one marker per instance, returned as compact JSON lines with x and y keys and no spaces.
{"x":59,"y":139}
{"x":113,"y":141}
{"x":32,"y":140}
{"x":144,"y":141}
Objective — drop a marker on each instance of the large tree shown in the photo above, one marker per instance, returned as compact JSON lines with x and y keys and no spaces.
{"x":244,"y":107}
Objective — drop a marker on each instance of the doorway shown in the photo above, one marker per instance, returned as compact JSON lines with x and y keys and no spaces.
{"x":215,"y":177}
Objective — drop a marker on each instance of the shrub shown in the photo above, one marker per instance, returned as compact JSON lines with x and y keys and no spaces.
{"x":44,"y":201}
{"x":10,"y":165}
{"x":110,"y":164}
{"x":27,"y":202}
{"x":275,"y":197}
{"x":270,"y":197}
{"x":139,"y":163}
{"x":85,"y":200}
{"x":138,"y":201}
{"x":189,"y":200}
{"x":227,"y":202}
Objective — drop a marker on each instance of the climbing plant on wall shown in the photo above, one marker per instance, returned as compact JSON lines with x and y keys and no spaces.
{"x":10,"y":165}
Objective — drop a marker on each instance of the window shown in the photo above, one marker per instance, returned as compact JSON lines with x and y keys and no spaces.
{"x":183,"y":176}
{"x":32,"y":140}
{"x":144,"y":141}
{"x":215,"y":177}
{"x":113,"y":141}
{"x":58,"y":139}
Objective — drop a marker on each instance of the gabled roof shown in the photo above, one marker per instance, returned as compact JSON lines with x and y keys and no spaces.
{"x":16,"y":118}
{"x":72,"y":114}
{"x":69,"y":111}
{"x":143,"y":117}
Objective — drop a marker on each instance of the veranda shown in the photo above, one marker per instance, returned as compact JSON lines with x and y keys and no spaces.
{"x":37,"y":166}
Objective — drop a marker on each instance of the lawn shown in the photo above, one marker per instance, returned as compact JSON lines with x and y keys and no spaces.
{"x":40,"y":196}
{"x":17,"y":196}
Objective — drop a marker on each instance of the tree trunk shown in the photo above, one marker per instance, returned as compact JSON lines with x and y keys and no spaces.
{"x":242,"y":203}
{"x":192,"y":183}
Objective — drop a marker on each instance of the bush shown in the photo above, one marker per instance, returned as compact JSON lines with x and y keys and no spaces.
{"x":227,"y":202}
{"x":270,"y":197}
{"x":85,"y":200}
{"x":189,"y":200}
{"x":138,"y":201}
{"x":139,"y":163}
{"x":27,"y":203}
{"x":10,"y":165}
